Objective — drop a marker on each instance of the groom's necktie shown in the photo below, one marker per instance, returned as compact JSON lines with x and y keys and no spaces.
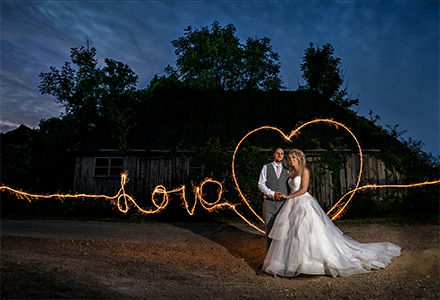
{"x":278,"y":171}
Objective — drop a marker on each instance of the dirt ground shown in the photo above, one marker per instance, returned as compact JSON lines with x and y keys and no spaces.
{"x":108,"y":260}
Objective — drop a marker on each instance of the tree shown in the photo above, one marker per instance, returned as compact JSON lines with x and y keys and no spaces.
{"x":168,"y":82}
{"x":55,"y":165}
{"x":341,"y":98}
{"x":77,"y":88}
{"x":214,"y":59}
{"x":208,"y":58}
{"x":93,"y":96}
{"x":322,"y":73}
{"x":261,"y":65}
{"x":118,"y":99}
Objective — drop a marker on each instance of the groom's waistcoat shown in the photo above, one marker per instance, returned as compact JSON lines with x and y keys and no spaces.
{"x":274,"y":183}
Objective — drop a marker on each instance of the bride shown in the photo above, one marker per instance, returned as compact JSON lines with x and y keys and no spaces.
{"x":305,"y":240}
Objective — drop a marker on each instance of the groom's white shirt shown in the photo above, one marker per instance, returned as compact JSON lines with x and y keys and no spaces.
{"x":263,"y":178}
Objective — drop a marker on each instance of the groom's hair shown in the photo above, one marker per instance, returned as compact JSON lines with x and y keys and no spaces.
{"x":275,"y":149}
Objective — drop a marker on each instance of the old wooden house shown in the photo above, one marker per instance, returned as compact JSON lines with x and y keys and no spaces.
{"x":171,"y":126}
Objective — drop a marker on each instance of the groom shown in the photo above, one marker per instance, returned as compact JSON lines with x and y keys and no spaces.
{"x":273,"y":183}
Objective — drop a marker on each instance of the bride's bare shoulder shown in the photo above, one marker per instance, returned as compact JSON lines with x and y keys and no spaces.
{"x":305,"y":171}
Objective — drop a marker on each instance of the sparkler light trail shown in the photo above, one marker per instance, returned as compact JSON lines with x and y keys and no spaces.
{"x":288,"y":138}
{"x":123,"y":201}
{"x":337,"y":209}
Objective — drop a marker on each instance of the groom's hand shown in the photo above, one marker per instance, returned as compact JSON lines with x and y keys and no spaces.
{"x":278,"y":195}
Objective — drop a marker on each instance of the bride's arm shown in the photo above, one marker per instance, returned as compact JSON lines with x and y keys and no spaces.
{"x":305,"y":178}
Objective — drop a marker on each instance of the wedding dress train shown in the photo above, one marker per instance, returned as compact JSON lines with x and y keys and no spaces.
{"x":306,"y":241}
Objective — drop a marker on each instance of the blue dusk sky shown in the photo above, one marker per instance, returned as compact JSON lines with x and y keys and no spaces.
{"x":389,"y":49}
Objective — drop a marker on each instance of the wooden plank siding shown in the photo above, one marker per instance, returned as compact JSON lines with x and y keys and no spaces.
{"x":146,"y":172}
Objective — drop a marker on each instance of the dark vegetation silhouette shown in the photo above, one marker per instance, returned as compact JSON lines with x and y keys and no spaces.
{"x":214,"y":59}
{"x":105,"y":98}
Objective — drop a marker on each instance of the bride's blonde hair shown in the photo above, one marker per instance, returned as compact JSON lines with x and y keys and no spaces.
{"x":299,"y":155}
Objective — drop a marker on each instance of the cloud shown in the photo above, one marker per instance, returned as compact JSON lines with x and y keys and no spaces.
{"x":389,"y":50}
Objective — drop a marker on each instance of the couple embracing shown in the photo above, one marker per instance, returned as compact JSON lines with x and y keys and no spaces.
{"x":300,"y":237}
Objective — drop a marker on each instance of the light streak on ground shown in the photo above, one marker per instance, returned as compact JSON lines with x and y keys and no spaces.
{"x":160,"y":196}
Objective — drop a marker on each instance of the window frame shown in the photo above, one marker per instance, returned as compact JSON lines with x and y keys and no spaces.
{"x":108,"y":170}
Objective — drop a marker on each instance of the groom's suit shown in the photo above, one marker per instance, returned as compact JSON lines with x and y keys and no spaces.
{"x":269,"y":183}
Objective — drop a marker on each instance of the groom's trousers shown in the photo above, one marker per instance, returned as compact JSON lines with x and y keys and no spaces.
{"x":270,"y":209}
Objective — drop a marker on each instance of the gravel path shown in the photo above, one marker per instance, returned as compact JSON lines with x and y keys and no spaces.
{"x":107,"y":260}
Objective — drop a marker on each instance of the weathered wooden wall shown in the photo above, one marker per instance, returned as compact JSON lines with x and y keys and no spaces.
{"x":147,"y":172}
{"x":373,"y":172}
{"x":144,"y":174}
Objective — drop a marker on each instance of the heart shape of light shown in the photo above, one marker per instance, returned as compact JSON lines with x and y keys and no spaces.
{"x":337,"y":209}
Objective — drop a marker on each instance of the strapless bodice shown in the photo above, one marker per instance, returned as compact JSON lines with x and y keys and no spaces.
{"x":294,"y":183}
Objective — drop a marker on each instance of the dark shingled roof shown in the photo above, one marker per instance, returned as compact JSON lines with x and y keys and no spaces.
{"x":185,"y":120}
{"x":20,"y":135}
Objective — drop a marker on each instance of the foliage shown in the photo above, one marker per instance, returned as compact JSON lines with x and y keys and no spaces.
{"x":207,"y":59}
{"x":322,"y":73}
{"x":55,"y":165}
{"x":410,"y":161}
{"x":366,"y":205}
{"x":169,"y":82}
{"x":118,"y":98}
{"x":93,"y":96}
{"x":249,"y":162}
{"x":412,"y":164}
{"x":261,"y":66}
{"x":332,"y":160}
{"x":17,"y":163}
{"x":342,"y":99}
{"x":214,"y":59}
{"x":76,"y":88}
{"x":321,"y":70}
{"x":216,"y":160}
{"x":415,"y":166}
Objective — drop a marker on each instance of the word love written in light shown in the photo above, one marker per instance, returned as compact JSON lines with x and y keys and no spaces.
{"x":123,"y":201}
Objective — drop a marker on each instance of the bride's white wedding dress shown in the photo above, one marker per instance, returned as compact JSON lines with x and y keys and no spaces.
{"x":305,"y":241}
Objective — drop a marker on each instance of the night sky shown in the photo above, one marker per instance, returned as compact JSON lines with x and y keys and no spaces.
{"x":389,"y":50}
